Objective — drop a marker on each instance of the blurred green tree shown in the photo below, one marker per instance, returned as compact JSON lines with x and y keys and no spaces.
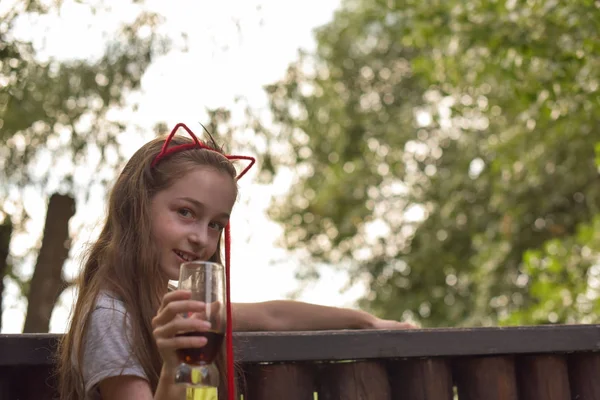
{"x":52,"y":111}
{"x":445,"y":151}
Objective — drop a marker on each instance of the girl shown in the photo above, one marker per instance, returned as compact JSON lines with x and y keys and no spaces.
{"x":171,"y":203}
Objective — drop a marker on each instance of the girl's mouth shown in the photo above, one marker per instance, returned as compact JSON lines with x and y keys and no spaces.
{"x":185,"y":256}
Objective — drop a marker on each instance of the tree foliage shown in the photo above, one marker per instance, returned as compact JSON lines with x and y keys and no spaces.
{"x":60,"y":106}
{"x":445,"y":150}
{"x":55,"y":115}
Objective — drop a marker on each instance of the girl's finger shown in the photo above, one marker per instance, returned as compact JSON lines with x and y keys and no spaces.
{"x":181,"y":342}
{"x":175,"y":308}
{"x":178,"y":326}
{"x":208,"y":311}
{"x":174,"y":296}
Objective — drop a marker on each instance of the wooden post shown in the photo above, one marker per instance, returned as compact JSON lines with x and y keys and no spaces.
{"x":421,"y":379}
{"x":279,"y":381}
{"x":584,"y":371}
{"x":365,"y":380}
{"x":490,"y":378}
{"x":543,"y":377}
{"x":28,"y":383}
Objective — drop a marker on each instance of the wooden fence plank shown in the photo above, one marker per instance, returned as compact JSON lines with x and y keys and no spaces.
{"x":279,"y":381}
{"x":420,"y":376}
{"x":256,"y":347}
{"x":27,"y":383}
{"x":490,"y":378}
{"x":584,"y":373}
{"x":543,"y":377}
{"x":421,"y":379}
{"x":365,"y":380}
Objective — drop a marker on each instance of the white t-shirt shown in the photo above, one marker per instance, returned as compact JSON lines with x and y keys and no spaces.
{"x":107,"y":348}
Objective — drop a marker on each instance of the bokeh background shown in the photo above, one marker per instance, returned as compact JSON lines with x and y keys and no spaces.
{"x":434,"y":161}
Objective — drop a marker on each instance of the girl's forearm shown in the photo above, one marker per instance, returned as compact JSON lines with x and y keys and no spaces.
{"x":285,"y":315}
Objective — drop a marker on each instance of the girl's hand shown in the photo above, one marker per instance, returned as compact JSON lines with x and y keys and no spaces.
{"x":169,"y":322}
{"x":391,"y":324}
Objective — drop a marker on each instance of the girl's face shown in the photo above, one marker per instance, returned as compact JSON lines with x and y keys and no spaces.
{"x":188,"y":217}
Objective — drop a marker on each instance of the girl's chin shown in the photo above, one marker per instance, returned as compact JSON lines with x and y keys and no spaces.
{"x":172,"y":272}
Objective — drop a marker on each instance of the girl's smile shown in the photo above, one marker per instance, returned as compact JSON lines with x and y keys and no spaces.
{"x":184,"y":256}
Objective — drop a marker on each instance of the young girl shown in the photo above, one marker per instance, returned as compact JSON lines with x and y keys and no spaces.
{"x":170,"y":204}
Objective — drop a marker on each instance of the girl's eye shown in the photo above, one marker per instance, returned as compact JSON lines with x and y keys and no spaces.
{"x":185,"y":212}
{"x":217,"y":226}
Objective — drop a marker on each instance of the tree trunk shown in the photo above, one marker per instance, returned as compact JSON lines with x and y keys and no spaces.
{"x":47,"y":282}
{"x":5,"y":234}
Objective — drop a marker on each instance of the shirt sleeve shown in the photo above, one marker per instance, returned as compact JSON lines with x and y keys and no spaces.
{"x":107,"y":350}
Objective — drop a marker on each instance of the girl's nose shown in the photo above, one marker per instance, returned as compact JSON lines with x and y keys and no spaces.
{"x":199,"y":237}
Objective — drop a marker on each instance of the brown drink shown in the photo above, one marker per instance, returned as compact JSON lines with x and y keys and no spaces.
{"x":201,"y":355}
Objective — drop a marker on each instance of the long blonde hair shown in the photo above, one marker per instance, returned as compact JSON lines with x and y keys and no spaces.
{"x":123,"y":253}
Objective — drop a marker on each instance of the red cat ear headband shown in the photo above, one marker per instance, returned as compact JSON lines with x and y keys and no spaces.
{"x":164,"y":152}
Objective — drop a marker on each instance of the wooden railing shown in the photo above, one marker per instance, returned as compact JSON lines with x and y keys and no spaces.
{"x":519,"y":363}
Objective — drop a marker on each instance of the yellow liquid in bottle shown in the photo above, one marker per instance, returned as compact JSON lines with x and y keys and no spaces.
{"x":202,"y":393}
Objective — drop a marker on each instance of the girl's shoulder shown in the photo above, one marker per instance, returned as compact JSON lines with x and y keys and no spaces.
{"x":108,"y":344}
{"x":108,"y":301}
{"x":108,"y":315}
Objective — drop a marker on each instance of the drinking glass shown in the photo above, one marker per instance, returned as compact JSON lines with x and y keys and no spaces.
{"x":206,"y":281}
